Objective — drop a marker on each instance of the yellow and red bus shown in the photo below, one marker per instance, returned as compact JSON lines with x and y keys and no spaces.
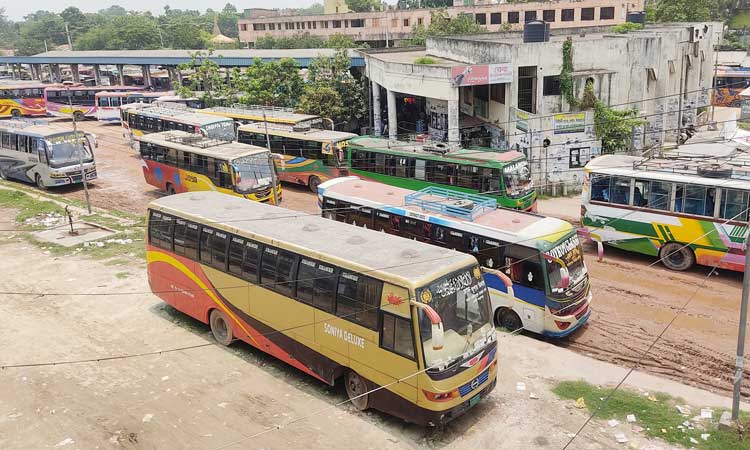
{"x":138,"y":119}
{"x":405,"y":325}
{"x":17,"y":100}
{"x":178,"y":161}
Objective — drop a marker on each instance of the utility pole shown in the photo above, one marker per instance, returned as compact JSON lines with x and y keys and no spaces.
{"x":67,"y":32}
{"x":274,"y":181}
{"x":80,"y":153}
{"x":679,"y":108}
{"x":740,"y":361}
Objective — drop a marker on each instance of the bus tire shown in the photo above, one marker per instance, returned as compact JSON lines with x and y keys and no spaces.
{"x":220,"y":328}
{"x":508,"y":319}
{"x":16,"y":114}
{"x":77,"y":116}
{"x":170,"y":189}
{"x":676,"y":256}
{"x":356,"y":387}
{"x":39,"y":182}
{"x":313,"y":182}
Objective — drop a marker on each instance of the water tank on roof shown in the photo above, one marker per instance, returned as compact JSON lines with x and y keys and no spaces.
{"x":536,"y":31}
{"x":636,"y":17}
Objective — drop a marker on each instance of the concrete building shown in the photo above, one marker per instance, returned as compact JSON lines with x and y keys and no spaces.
{"x":384,"y":28}
{"x":506,"y":91}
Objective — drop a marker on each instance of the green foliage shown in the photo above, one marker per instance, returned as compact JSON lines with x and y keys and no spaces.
{"x":566,"y":73}
{"x":276,"y":83}
{"x":332,"y":91}
{"x":206,"y":78}
{"x":413,"y":4}
{"x":8,"y":31}
{"x":626,"y":27}
{"x":37,"y":28}
{"x":740,"y":20}
{"x":685,"y":10}
{"x":305,"y":40}
{"x":312,"y":10}
{"x":652,"y":416}
{"x":441,"y":24}
{"x":339,"y":40}
{"x":363,"y":5}
{"x":424,"y":60}
{"x":588,"y":100}
{"x":185,"y":32}
{"x":615,"y":128}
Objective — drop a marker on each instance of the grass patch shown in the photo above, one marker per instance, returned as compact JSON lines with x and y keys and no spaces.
{"x":122,"y":275}
{"x":739,"y":21}
{"x":116,"y":262}
{"x":653,"y":416}
{"x":424,"y":60}
{"x":27,"y":206}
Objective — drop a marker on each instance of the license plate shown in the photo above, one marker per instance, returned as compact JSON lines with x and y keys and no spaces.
{"x":474,"y":400}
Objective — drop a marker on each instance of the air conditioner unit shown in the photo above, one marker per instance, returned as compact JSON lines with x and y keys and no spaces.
{"x":697,"y":33}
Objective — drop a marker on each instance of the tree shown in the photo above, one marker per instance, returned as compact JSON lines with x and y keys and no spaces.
{"x":339,"y":40}
{"x":75,"y":19}
{"x":412,"y":4}
{"x":441,"y":24}
{"x":206,"y":78}
{"x":276,"y":83}
{"x":37,"y":28}
{"x":185,"y":32}
{"x":312,"y":10}
{"x":685,"y":10}
{"x":134,"y":31}
{"x":8,"y":31}
{"x":615,"y":128}
{"x":94,"y":39}
{"x":363,"y":5}
{"x":327,"y":74}
{"x":113,"y":11}
{"x":298,"y":41}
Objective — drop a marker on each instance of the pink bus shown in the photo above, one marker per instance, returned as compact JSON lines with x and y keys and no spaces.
{"x":83,"y":98}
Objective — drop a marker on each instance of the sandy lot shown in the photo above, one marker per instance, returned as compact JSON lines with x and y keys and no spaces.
{"x":632,"y":301}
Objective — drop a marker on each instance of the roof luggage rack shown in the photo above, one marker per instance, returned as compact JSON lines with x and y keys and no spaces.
{"x":451,"y":203}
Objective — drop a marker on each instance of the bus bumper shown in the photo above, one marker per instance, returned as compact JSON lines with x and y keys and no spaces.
{"x":561,"y":334}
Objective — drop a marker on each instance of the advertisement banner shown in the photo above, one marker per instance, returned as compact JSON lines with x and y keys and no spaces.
{"x":522,"y":120}
{"x":570,"y":123}
{"x":481,"y":74}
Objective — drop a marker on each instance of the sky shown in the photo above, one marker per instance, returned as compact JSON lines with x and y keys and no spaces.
{"x":15,"y":10}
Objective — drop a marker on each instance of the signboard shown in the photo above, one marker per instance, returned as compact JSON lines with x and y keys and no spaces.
{"x":570,"y":123}
{"x":481,"y":74}
{"x":522,"y":120}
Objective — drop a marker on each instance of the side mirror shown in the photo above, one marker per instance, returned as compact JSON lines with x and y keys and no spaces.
{"x":503,"y":277}
{"x":438,"y":334}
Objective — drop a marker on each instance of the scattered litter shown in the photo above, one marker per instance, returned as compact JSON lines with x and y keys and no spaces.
{"x":571,"y":435}
{"x":99,"y":244}
{"x":580,"y":403}
{"x":64,"y":442}
{"x":147,"y":418}
{"x":613,"y":422}
{"x":664,"y":431}
{"x":652,"y":398}
{"x":520,"y":386}
{"x":705,"y":436}
{"x":165,"y":378}
{"x":533,"y":396}
{"x":686,"y":423}
{"x":684,"y":410}
{"x":222,"y":405}
{"x":707,"y":413}
{"x":621,"y":438}
{"x":694,"y":440}
{"x":631,"y":418}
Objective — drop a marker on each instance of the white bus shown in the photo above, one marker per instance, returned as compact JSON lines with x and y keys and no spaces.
{"x":533,"y":265}
{"x":37,"y":153}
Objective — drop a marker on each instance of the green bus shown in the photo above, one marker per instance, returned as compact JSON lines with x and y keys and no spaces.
{"x":504,"y":176}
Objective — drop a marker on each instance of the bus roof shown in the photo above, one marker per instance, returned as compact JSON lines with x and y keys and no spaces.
{"x":200,"y":145}
{"x":503,"y":224}
{"x":311,"y":134}
{"x":669,"y":169}
{"x":279,"y":115}
{"x":4,"y":84}
{"x":477,"y":155}
{"x":82,"y":87}
{"x":393,"y":258}
{"x":187,"y":115}
{"x":128,"y":94}
{"x":35,"y":129}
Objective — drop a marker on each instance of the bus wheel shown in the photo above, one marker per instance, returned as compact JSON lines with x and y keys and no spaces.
{"x":39,"y":182}
{"x":220,"y":327}
{"x":508,"y":319}
{"x":356,"y":388}
{"x":676,"y":256}
{"x":16,"y":114}
{"x":78,"y":116}
{"x":313,"y":182}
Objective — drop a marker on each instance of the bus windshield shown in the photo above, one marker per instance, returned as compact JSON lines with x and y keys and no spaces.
{"x":463,"y":303}
{"x":252,"y":172}
{"x":223,"y":130}
{"x":65,"y":149}
{"x":517,"y":179}
{"x":569,"y":251}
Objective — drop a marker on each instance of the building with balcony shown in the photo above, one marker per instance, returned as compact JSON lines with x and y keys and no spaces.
{"x":388,"y":27}
{"x":503,"y":91}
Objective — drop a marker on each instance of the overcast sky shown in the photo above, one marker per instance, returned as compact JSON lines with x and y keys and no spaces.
{"x":15,"y":10}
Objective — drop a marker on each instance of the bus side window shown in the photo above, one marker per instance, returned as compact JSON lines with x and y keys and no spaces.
{"x":306,"y":275}
{"x":619,"y":189}
{"x":358,"y":299}
{"x":396,"y":335}
{"x":160,"y":230}
{"x":363,"y":218}
{"x":285,"y":273}
{"x":490,"y":254}
{"x":599,"y":188}
{"x":191,"y":241}
{"x":324,"y":288}
{"x":219,"y":250}
{"x":468,"y":177}
{"x":205,"y":245}
{"x":455,"y":240}
{"x":179,"y":236}
{"x":420,"y":169}
{"x":382,"y":222}
{"x":523,"y":267}
{"x":250,"y":262}
{"x":697,"y":200}
{"x":734,"y":204}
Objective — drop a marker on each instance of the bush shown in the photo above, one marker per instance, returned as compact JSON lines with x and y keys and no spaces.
{"x":627,"y":27}
{"x":424,"y":60}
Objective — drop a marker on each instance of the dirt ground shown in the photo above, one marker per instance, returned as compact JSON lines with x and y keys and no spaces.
{"x":210,"y":397}
{"x":632,"y":303}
